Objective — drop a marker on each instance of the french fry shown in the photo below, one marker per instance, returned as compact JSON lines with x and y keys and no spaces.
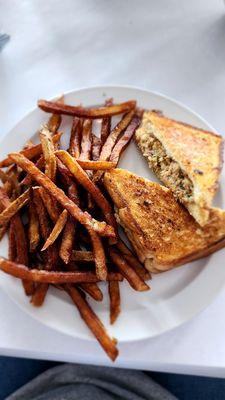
{"x":93,"y":290}
{"x":12,"y":243}
{"x":114,"y":296}
{"x":19,"y":239}
{"x":85,"y":181}
{"x":14,"y":207}
{"x":56,"y":230}
{"x":33,"y":229}
{"x":67,"y":177}
{"x":50,"y":204}
{"x":92,"y":113}
{"x":133,"y":261}
{"x":124,"y":140}
{"x":132,"y":277}
{"x":83,"y":217}
{"x":55,"y":120}
{"x":29,"y":153}
{"x":82,"y":255}
{"x":93,"y":322}
{"x":96,"y":147}
{"x":95,"y":165}
{"x":39,"y":294}
{"x":86,"y":140}
{"x":20,"y":271}
{"x":99,"y":255}
{"x":27,"y":181}
{"x":70,"y":228}
{"x":105,"y":129}
{"x":48,"y":152}
{"x":75,"y":138}
{"x":10,"y":179}
{"x":111,"y":141}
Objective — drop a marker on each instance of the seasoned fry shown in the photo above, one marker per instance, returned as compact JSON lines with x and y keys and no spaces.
{"x":93,"y":290}
{"x":38,"y":297}
{"x":29,"y":153}
{"x":70,"y":229}
{"x":93,"y":322}
{"x":86,"y":140}
{"x":124,"y":140}
{"x":99,"y":255}
{"x":96,"y":147}
{"x":50,"y":204}
{"x":55,"y":120}
{"x":82,"y":255}
{"x":134,"y":280}
{"x":55,"y":277}
{"x":111,"y":140}
{"x":33,"y":230}
{"x":95,"y":165}
{"x":92,"y":113}
{"x":48,"y":152}
{"x":14,"y":207}
{"x":27,"y":181}
{"x":10,"y":179}
{"x":105,"y":129}
{"x":56,"y":230}
{"x":83,"y":217}
{"x":75,"y":137}
{"x":12,"y":243}
{"x":133,"y":261}
{"x":85,"y":181}
{"x":114,"y":296}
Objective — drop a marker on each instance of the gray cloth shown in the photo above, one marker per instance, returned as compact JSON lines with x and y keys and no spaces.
{"x":81,"y":382}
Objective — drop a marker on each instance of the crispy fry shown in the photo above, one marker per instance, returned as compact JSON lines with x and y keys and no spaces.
{"x":38,"y":297}
{"x":55,"y":277}
{"x":75,"y":137}
{"x":133,"y":261}
{"x":105,"y":129}
{"x":70,"y":229}
{"x":12,"y":243}
{"x":67,"y":177}
{"x":83,"y":217}
{"x":124,"y":140}
{"x":50,"y":204}
{"x":10,"y":179}
{"x":82,"y":255}
{"x":48,"y":152}
{"x":99,"y":255}
{"x":134,"y":280}
{"x":92,"y":113}
{"x":96,"y":147}
{"x":29,"y":153}
{"x":14,"y":207}
{"x":95,"y":165}
{"x":86,"y":140}
{"x":84,"y":180}
{"x":93,"y":290}
{"x":114,"y":296}
{"x":27,"y":181}
{"x":55,"y":120}
{"x":111,"y":141}
{"x":33,"y":230}
{"x":93,"y":322}
{"x":56,"y":230}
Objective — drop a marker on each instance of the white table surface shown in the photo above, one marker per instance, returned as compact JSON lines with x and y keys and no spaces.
{"x":176,"y":47}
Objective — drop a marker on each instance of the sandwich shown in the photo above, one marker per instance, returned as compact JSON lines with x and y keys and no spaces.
{"x":162,"y":232}
{"x":186,"y":159}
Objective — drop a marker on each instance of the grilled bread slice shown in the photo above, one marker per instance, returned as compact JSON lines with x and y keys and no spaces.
{"x":160,"y":229}
{"x":187,"y":160}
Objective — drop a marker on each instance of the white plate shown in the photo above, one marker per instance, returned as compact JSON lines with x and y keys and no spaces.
{"x":177,"y":295}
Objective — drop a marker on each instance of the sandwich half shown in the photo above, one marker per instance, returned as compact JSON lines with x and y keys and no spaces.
{"x":162,"y":232}
{"x":186,"y":159}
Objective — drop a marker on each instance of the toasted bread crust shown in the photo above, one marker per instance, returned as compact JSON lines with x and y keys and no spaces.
{"x":161,"y":230}
{"x":197,"y":152}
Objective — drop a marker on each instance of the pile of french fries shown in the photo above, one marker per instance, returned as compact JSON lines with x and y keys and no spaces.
{"x":60,"y":221}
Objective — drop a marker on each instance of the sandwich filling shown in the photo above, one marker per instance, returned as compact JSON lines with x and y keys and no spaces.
{"x":166,"y":168}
